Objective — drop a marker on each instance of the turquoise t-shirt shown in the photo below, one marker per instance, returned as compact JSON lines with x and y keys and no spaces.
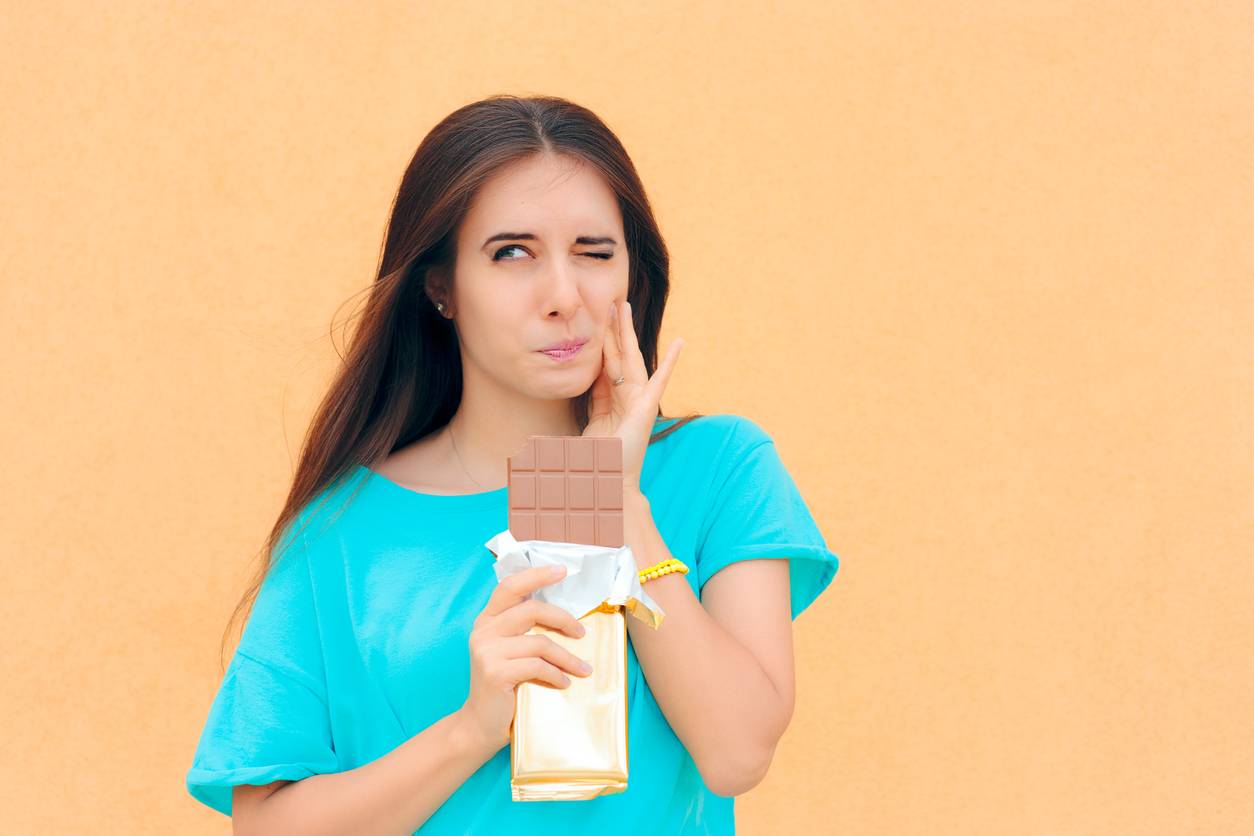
{"x":359,"y":637}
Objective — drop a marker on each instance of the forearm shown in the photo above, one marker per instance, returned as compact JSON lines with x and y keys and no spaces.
{"x":713,"y":692}
{"x":390,"y":796}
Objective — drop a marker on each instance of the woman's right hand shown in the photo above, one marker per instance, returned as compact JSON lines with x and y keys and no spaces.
{"x":502,"y":654}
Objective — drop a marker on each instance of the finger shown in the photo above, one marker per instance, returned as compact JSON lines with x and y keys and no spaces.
{"x":531,"y":669}
{"x":657,"y":383}
{"x":601,"y":404}
{"x":516,"y":588}
{"x":535,"y":613}
{"x":612,"y":351}
{"x":545,"y":648}
{"x":632,"y":359}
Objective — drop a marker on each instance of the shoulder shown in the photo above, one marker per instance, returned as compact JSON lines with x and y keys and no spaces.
{"x":324,"y":514}
{"x":721,"y":433}
{"x":705,"y":454}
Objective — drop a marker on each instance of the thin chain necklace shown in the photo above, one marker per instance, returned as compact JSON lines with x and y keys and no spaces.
{"x":449,"y":427}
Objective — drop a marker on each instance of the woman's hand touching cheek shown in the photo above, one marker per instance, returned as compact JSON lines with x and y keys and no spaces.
{"x":628,"y":410}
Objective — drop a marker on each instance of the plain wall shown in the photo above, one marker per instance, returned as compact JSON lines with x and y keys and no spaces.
{"x":985,"y":272}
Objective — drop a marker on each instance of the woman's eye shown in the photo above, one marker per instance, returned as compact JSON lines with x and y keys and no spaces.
{"x":497,"y":255}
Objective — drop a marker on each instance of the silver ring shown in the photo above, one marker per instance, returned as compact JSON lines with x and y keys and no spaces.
{"x":619,"y":380}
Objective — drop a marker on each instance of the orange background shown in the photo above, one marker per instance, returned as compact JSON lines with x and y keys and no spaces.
{"x":984,"y":271}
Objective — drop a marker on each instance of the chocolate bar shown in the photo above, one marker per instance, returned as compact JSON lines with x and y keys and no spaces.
{"x":570,"y":743}
{"x":568,"y":489}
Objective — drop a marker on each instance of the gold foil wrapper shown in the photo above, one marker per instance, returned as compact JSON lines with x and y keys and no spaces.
{"x":568,"y":744}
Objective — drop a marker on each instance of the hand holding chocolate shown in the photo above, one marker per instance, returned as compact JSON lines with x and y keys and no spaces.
{"x":566,"y":507}
{"x":504,"y":652}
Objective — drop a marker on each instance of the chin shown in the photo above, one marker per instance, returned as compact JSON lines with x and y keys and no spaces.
{"x":572,"y":386}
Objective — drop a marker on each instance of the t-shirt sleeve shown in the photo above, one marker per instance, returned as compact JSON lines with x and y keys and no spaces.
{"x":269,"y":719}
{"x":758,"y":512}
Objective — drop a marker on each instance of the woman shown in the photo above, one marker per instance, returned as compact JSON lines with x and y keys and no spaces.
{"x":372,"y":690}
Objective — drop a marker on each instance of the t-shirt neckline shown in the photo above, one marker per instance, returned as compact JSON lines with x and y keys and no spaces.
{"x":440,"y":501}
{"x":445,"y":501}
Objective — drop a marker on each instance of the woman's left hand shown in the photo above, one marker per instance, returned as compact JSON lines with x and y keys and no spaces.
{"x":629,"y":409}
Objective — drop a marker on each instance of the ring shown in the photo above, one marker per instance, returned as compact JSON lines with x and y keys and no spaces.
{"x":618,"y":381}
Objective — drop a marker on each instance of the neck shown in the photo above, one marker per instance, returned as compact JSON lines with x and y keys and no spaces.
{"x":488,"y":428}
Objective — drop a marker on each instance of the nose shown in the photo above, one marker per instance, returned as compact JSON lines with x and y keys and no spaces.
{"x":564,"y":297}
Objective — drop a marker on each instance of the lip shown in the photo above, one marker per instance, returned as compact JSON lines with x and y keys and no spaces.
{"x":564,"y":345}
{"x":563,"y":350}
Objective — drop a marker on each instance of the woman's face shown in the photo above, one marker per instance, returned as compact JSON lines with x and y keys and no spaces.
{"x":540,"y":259}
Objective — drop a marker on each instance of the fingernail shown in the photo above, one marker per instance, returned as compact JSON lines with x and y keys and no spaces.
{"x":583,"y":631}
{"x":557,"y":570}
{"x":614,"y":311}
{"x":585,"y":667}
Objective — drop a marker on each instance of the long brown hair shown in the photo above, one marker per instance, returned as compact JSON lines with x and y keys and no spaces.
{"x":400,"y":376}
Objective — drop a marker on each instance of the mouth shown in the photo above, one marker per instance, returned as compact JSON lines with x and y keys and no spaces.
{"x":563,"y":350}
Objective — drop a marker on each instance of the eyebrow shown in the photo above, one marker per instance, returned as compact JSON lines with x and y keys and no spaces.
{"x":527,"y":236}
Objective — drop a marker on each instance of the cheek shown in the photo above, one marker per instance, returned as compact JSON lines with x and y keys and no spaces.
{"x":494,"y":324}
{"x":599,"y":295}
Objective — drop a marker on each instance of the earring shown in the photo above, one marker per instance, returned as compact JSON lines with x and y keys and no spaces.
{"x":439,"y":306}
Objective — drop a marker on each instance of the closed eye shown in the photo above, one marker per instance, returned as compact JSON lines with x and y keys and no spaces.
{"x":496,"y":256}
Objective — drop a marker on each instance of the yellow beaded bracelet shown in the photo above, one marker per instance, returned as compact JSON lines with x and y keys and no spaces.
{"x":665,"y":567}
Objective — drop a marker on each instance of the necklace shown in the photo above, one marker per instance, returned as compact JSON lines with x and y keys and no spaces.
{"x":449,"y":427}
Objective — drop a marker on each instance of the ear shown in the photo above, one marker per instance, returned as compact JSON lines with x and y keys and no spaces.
{"x":437,"y":288}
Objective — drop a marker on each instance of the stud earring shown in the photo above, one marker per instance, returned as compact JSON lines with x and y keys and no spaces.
{"x":439,"y":306}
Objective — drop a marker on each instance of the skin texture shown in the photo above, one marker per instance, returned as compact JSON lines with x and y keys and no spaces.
{"x":721,"y":669}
